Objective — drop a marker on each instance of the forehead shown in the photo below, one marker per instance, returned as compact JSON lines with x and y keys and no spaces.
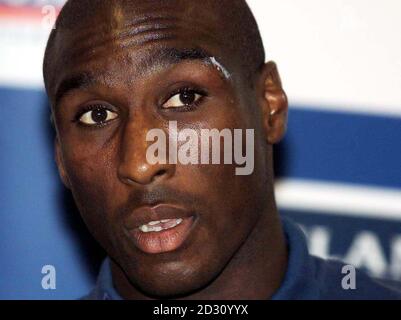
{"x":128,"y":36}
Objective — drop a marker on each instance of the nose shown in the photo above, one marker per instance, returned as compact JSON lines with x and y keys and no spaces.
{"x":134,"y":167}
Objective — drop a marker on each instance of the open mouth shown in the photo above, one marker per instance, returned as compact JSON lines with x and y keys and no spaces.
{"x":160,"y":225}
{"x":162,"y":235}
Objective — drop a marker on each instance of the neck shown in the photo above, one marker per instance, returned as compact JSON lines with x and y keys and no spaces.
{"x":252,"y":274}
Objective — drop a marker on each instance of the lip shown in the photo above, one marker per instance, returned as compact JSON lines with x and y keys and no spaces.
{"x":145,"y":214}
{"x":163,"y":241}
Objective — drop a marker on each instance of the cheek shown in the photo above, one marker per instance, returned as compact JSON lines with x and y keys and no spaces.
{"x":230,"y":200}
{"x":89,"y":165}
{"x":94,"y":189}
{"x":228,"y":209}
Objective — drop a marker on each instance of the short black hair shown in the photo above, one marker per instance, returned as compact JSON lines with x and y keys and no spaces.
{"x":242,"y":35}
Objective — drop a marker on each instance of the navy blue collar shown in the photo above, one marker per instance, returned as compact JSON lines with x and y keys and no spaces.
{"x":104,"y":289}
{"x":299,"y":281}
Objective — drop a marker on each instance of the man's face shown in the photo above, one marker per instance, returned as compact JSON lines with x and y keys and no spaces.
{"x":124,"y":82}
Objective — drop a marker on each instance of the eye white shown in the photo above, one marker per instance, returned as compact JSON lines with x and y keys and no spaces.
{"x":87,"y":117}
{"x":176,"y":102}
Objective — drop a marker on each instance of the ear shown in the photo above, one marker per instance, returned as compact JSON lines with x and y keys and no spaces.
{"x":274,"y":103}
{"x":60,"y":163}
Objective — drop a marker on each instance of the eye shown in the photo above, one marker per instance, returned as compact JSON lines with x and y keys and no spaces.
{"x":185,"y":98}
{"x":97,"y":115}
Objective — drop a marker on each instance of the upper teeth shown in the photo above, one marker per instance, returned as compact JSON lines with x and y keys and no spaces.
{"x":160,"y":225}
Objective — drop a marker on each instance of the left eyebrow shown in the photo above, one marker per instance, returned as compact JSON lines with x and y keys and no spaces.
{"x":176,"y":55}
{"x":166,"y":55}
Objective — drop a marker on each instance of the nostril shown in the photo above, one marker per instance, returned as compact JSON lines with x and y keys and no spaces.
{"x":160,"y":173}
{"x":144,"y":174}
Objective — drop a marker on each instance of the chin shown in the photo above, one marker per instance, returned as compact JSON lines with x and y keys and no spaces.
{"x":169,"y":289}
{"x":173,"y":280}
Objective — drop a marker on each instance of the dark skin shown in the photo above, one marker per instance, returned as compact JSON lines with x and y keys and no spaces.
{"x":236,"y":249}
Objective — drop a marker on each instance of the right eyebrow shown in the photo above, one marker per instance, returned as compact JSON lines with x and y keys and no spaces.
{"x":78,"y":81}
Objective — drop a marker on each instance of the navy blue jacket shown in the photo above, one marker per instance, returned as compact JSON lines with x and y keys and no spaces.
{"x":307,"y":277}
